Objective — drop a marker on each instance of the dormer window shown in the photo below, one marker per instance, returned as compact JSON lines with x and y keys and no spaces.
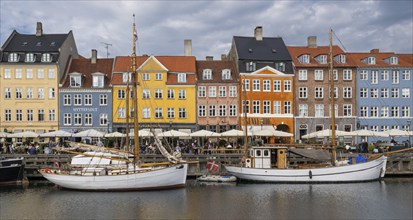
{"x":30,"y":58}
{"x":207,"y":74}
{"x":250,"y":66}
{"x":126,"y":77}
{"x":371,"y":60}
{"x":342,"y":58}
{"x":53,"y":44}
{"x":322,"y":59}
{"x":38,"y":44}
{"x":226,"y":74}
{"x":304,"y":58}
{"x":98,"y":80}
{"x":76,"y":80}
{"x":280,"y":66}
{"x":13,"y":57}
{"x":181,"y":77}
{"x":46,"y":58}
{"x":394,"y":60}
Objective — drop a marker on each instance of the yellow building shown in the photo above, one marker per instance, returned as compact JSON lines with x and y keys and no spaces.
{"x":30,"y":71}
{"x":166,"y":92}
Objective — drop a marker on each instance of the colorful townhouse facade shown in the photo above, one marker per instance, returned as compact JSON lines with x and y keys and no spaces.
{"x":166,"y":92}
{"x":266,"y":76}
{"x":312,"y":89}
{"x":217,"y":95}
{"x":31,"y":66}
{"x":384,"y":88}
{"x":85,"y":95}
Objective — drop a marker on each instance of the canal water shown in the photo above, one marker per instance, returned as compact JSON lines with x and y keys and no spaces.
{"x":391,"y":198}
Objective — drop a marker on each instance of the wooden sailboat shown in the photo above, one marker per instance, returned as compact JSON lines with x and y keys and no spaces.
{"x":269,"y":164}
{"x":108,"y":175}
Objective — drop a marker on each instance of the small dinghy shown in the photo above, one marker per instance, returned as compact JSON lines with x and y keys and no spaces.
{"x":217,"y":178}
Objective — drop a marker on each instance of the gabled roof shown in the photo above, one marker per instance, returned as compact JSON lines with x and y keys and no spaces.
{"x":87,"y":69}
{"x":268,"y":49}
{"x":297,"y":51}
{"x":216,"y":66}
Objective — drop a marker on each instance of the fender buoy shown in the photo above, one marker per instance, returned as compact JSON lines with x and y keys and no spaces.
{"x":47,"y":170}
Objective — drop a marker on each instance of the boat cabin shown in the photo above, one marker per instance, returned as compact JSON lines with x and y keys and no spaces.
{"x":267,"y":157}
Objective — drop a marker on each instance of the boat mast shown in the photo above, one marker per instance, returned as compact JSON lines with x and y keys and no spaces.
{"x":332,"y":105}
{"x":135,"y":92}
{"x":244,"y":103}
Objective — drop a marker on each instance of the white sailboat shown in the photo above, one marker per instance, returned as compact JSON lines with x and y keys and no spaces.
{"x":113,"y":172}
{"x":269,"y":164}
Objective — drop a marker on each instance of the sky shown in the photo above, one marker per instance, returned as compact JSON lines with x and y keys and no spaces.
{"x":163,"y":25}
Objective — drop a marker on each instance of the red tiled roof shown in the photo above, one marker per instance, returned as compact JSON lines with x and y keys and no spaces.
{"x":297,"y":51}
{"x":216,"y":66}
{"x":380,"y":59}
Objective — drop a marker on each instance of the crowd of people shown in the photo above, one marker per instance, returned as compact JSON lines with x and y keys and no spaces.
{"x":29,"y":148}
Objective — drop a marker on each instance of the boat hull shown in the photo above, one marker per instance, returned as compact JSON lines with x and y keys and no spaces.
{"x":169,"y":177}
{"x":361,"y":172}
{"x":11,"y":171}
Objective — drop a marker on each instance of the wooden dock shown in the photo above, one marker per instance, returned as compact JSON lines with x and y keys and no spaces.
{"x":397,"y":164}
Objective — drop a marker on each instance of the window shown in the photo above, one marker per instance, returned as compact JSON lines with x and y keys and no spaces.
{"x":255,"y":85}
{"x":303,"y":110}
{"x":318,"y":74}
{"x":394,"y":60}
{"x":182,"y":113}
{"x":266,"y":86}
{"x":395,"y":92}
{"x":287,"y":85}
{"x":121,"y":113}
{"x":145,"y":77}
{"x":171,"y":94}
{"x":182,"y":94}
{"x":52,"y":115}
{"x":29,"y":73}
{"x":364,"y":75}
{"x":29,"y":114}
{"x":30,"y":58}
{"x":232,"y":91}
{"x":13,"y":57}
{"x":75,"y":81}
{"x":266,"y":107}
{"x":182,"y":77}
{"x":246,"y":106}
{"x":158,"y":113}
{"x":363,"y":111}
{"x":41,"y":115}
{"x":256,"y":107}
{"x":395,"y":111}
{"x":347,"y":74}
{"x":171,"y":112}
{"x":29,"y":93}
{"x":202,"y":111}
{"x":7,"y":115}
{"x":347,"y":110}
{"x":395,"y":77}
{"x":40,"y":73}
{"x":67,"y":119}
{"x":277,"y":107}
{"x":98,"y":81}
{"x":232,"y":110}
{"x":384,"y":93}
{"x":19,"y":92}
{"x":51,"y":74}
{"x":212,"y":91}
{"x":212,"y":110}
{"x":19,"y":115}
{"x":250,"y":66}
{"x":201,"y":91}
{"x":46,"y":58}
{"x":158,"y":93}
{"x":406,"y":75}
{"x":319,"y":110}
{"x":304,"y":58}
{"x":7,"y":93}
{"x":126,"y":77}
{"x":146,"y":93}
{"x":222,"y":110}
{"x":374,"y":93}
{"x":19,"y":73}
{"x":7,"y":73}
{"x":347,"y":93}
{"x":406,"y":93}
{"x":302,"y":92}
{"x":103,"y":119}
{"x":77,"y":99}
{"x":146,"y":113}
{"x":206,"y":74}
{"x":318,"y":92}
{"x":335,"y":92}
{"x":222,"y":91}
{"x":287,"y":107}
{"x":88,"y":99}
{"x":363,"y":93}
{"x":40,"y":93}
{"x":384,"y":74}
{"x":78,"y":118}
{"x":384,"y":111}
{"x":342,"y":58}
{"x":158,"y":76}
{"x":335,"y":75}
{"x":103,"y":99}
{"x":52,"y":93}
{"x":226,"y":74}
{"x":405,"y":111}
{"x":322,"y":59}
{"x":302,"y":75}
{"x":371,"y":60}
{"x":374,"y":111}
{"x":374,"y":77}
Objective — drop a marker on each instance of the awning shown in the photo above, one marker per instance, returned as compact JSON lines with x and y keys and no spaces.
{"x":312,"y":153}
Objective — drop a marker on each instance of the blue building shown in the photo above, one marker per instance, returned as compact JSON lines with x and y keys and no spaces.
{"x":384,"y":88}
{"x":85,"y":95}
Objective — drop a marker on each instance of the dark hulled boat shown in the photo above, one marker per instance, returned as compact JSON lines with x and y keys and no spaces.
{"x":11,"y":170}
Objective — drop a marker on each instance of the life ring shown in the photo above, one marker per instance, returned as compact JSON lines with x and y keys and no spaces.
{"x":47,"y":170}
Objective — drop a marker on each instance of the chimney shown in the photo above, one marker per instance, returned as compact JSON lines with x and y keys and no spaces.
{"x":188,"y":47}
{"x":94,"y":56}
{"x":209,"y":58}
{"x":375,"y":51}
{"x":258,"y":33}
{"x":223,"y":57}
{"x":312,"y":42}
{"x":39,"y":29}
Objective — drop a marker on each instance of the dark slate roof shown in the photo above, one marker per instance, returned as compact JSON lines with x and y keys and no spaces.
{"x":269,"y":49}
{"x":216,"y":66}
